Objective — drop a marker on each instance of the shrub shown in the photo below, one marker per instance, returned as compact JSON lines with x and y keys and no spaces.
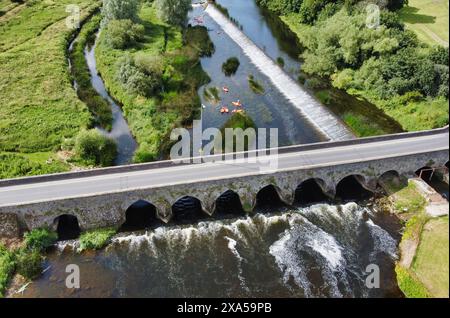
{"x":120,"y":9}
{"x":230,"y":66}
{"x":29,"y":263}
{"x":96,"y":239}
{"x":95,"y":148}
{"x":121,"y":34}
{"x":7,"y":266}
{"x":173,"y":12}
{"x":141,"y":76}
{"x":280,"y":61}
{"x":40,"y":239}
{"x":198,"y":38}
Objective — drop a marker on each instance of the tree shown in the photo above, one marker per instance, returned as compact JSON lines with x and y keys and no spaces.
{"x":173,"y":12}
{"x":95,"y":148}
{"x":120,"y":34}
{"x":120,"y":10}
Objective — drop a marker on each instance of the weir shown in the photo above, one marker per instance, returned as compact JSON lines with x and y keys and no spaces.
{"x":325,"y":121}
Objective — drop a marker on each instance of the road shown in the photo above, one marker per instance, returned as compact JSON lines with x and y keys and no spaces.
{"x":229,"y":169}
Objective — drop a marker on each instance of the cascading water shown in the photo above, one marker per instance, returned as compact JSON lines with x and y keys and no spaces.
{"x":318,"y":251}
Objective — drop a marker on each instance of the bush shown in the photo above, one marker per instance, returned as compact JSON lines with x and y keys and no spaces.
{"x":120,"y":9}
{"x":230,"y":66}
{"x":198,"y":38}
{"x":40,"y":239}
{"x":173,"y":12}
{"x":95,"y":148}
{"x":141,"y":76}
{"x":29,"y":263}
{"x":96,"y":239}
{"x":7,"y":266}
{"x":120,"y":34}
{"x":280,"y":61}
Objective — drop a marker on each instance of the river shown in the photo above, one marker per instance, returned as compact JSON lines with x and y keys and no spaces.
{"x":318,"y":250}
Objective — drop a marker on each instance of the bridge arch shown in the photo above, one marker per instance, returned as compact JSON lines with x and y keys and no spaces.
{"x":269,"y":196}
{"x":310,"y":191}
{"x":353,"y":187}
{"x":229,"y":202}
{"x":424,"y":173}
{"x":188,"y":209}
{"x":391,"y":181}
{"x":139,"y":216}
{"x":67,"y":227}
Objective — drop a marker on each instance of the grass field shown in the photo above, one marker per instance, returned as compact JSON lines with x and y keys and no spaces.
{"x":38,"y":106}
{"x":429,"y":19}
{"x":431,"y":262}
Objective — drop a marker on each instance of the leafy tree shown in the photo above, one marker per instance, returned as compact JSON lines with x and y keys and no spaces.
{"x":120,"y":10}
{"x":95,"y":148}
{"x":141,"y":75}
{"x":173,"y":12}
{"x":121,"y":34}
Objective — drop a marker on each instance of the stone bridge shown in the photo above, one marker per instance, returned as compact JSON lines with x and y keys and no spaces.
{"x":101,"y":198}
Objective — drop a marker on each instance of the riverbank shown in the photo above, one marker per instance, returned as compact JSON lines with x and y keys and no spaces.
{"x":422,"y":270}
{"x":414,"y":110}
{"x":39,"y":105}
{"x":176,"y":53}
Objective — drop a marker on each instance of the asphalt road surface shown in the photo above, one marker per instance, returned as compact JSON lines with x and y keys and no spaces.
{"x":228,"y":169}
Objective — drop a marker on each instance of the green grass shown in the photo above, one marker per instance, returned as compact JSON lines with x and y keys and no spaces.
{"x":410,"y":284}
{"x":361,"y":126}
{"x":38,"y":106}
{"x":409,"y":199}
{"x":40,"y":239}
{"x":431,"y":263}
{"x":152,"y":119}
{"x":16,"y":165}
{"x":95,"y":239}
{"x":7,"y":266}
{"x":428,"y":19}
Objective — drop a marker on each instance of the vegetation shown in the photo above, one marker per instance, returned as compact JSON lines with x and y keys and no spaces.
{"x":7,"y":266}
{"x":94,"y":148}
{"x":230,"y":66}
{"x":39,"y":107}
{"x":428,"y":19}
{"x":158,"y":87}
{"x":121,"y":34}
{"x":120,"y":10}
{"x":198,"y":36}
{"x":96,"y":239}
{"x":237,"y":121}
{"x":29,"y":263}
{"x":386,"y":65}
{"x":211,"y":94}
{"x":409,"y":199}
{"x":173,"y":12}
{"x":40,"y":239}
{"x":431,"y":262}
{"x":255,"y":86}
{"x":15,"y":165}
{"x":410,"y":284}
{"x":280,"y":61}
{"x":98,"y":106}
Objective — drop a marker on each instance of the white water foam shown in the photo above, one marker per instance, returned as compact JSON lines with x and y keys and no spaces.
{"x":232,"y":247}
{"x":383,"y":242}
